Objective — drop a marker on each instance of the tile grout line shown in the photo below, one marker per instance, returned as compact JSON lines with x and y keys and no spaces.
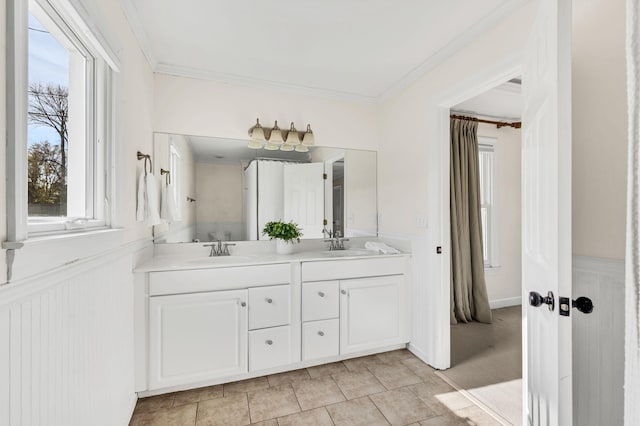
{"x":474,"y":400}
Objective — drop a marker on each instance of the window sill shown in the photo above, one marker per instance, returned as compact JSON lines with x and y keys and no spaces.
{"x":44,"y":253}
{"x":492,"y":269}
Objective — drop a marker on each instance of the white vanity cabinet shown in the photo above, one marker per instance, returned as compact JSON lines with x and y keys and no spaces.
{"x":213,"y":325}
{"x":370,"y":314}
{"x":197,"y":337}
{"x":353,"y":306}
{"x":229,"y":322}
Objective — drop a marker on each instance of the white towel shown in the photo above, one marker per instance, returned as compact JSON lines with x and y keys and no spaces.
{"x":148,"y":200}
{"x":168,"y":210}
{"x":381,"y":248}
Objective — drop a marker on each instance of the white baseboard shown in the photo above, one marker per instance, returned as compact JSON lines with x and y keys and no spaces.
{"x":504,"y":303}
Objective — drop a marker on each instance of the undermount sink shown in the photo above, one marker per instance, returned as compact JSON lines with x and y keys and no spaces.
{"x":348,"y":253}
{"x":212,"y":260}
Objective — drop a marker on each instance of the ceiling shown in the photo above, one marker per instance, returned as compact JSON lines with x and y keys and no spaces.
{"x":358,"y":49}
{"x":502,"y":102}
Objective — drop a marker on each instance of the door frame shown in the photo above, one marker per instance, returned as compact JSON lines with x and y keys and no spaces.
{"x":438,"y":189}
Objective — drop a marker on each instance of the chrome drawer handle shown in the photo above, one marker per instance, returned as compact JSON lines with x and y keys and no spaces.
{"x":320,"y":333}
{"x":343,"y":291}
{"x":268,"y":300}
{"x":243,"y":304}
{"x":269,"y":342}
{"x":321,"y":294}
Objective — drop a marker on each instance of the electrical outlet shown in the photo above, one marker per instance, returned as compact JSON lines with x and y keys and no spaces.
{"x":421,"y":221}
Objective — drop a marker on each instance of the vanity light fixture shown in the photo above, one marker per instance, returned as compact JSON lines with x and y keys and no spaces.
{"x":256,"y":133}
{"x":274,"y":138}
{"x":276,"y":135}
{"x":292,"y":136}
{"x":308,"y":138}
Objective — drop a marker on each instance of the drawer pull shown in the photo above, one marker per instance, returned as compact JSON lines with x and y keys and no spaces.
{"x":269,"y":342}
{"x":343,"y":291}
{"x":268,"y":300}
{"x":320,"y":333}
{"x":321,"y":294}
{"x":243,"y":304}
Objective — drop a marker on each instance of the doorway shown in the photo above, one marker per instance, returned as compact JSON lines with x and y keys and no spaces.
{"x":486,"y":359}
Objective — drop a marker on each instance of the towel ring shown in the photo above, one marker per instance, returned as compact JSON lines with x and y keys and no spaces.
{"x":146,"y":158}
{"x":167,"y":177}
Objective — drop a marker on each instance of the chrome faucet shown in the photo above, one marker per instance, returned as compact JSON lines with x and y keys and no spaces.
{"x":219,"y":249}
{"x":337,"y":242}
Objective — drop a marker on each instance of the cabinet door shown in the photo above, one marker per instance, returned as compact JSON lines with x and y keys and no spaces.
{"x":371,"y":313}
{"x":196,"y":337}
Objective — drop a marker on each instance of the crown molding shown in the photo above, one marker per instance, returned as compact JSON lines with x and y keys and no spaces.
{"x":202,"y":74}
{"x":131,"y":13}
{"x":452,"y":47}
{"x":430,"y":63}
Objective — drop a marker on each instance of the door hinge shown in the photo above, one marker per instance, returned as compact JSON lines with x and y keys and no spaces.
{"x":325,"y":222}
{"x":324,"y":176}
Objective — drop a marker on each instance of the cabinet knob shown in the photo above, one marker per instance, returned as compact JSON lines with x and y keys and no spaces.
{"x":268,"y":300}
{"x":243,"y":304}
{"x":343,"y":291}
{"x":321,"y":294}
{"x":320,"y":333}
{"x":269,"y":342}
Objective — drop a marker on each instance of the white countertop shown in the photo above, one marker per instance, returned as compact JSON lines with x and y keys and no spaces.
{"x":183,"y":262}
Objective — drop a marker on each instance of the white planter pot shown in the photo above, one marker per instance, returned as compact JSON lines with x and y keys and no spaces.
{"x":283,"y":247}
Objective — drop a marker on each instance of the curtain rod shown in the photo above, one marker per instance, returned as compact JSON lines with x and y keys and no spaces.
{"x":499,"y":124}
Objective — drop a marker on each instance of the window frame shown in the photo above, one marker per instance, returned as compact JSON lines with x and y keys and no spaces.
{"x":73,"y":19}
{"x":489,"y":144}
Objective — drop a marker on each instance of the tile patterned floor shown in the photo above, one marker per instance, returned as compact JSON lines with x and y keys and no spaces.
{"x":392,"y":388}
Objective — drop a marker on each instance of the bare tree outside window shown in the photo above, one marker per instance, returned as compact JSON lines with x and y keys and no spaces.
{"x":47,"y":160}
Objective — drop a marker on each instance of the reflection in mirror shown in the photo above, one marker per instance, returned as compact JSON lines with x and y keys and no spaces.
{"x":227,"y":191}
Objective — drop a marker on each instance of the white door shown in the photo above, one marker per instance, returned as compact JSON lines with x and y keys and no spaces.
{"x":370,"y":313}
{"x":196,"y":337}
{"x":546,"y":214}
{"x":304,"y":197}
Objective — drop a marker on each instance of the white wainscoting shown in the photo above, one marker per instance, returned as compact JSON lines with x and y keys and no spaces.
{"x":66,"y":343}
{"x":598,"y":343}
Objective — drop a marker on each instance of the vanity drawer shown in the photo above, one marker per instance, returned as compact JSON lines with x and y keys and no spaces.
{"x":232,"y":278}
{"x":270,"y":347}
{"x":269,"y":306}
{"x":353,"y":268}
{"x":320,"y":339}
{"x":320,"y":300}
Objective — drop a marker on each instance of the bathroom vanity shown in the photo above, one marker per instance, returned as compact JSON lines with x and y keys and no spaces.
{"x":210,"y":320}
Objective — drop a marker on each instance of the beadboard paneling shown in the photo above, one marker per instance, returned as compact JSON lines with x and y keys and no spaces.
{"x":66,"y":351}
{"x":598,"y":343}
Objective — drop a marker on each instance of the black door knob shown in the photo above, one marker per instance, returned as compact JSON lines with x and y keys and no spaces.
{"x":536,"y":299}
{"x":583,"y":304}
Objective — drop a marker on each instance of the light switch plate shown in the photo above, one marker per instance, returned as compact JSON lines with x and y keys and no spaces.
{"x":421,"y":221}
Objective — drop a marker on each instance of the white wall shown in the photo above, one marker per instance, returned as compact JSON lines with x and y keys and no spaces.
{"x":206,"y":108}
{"x":599,"y":128}
{"x":504,"y":283}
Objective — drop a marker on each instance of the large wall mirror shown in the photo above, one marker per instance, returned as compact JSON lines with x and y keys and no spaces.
{"x":224,"y":190}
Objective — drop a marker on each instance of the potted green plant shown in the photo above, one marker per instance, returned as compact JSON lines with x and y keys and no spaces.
{"x":285,"y":234}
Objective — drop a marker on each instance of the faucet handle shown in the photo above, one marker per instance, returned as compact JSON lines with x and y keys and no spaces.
{"x":213,"y":249}
{"x":226,"y":248}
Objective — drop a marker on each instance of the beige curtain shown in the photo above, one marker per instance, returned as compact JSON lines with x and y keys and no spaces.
{"x":469,"y":300}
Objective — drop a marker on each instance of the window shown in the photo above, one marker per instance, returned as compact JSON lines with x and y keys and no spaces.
{"x":176,"y":176}
{"x":67,"y":79}
{"x":487,"y":200}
